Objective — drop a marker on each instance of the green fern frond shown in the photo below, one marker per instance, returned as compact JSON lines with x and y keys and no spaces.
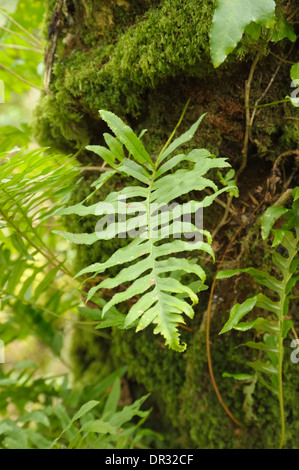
{"x":148,"y":263}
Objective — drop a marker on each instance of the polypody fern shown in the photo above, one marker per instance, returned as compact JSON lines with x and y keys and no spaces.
{"x":148,"y":264}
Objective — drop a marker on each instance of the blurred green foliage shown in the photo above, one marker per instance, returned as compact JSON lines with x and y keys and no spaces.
{"x":21,"y":69}
{"x":50,"y":413}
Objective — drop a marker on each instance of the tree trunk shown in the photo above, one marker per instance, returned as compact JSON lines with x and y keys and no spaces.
{"x":143,"y":59}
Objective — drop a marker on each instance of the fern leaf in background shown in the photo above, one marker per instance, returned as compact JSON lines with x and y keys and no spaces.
{"x":33,"y":186}
{"x":149,"y":262}
{"x":98,"y":421}
{"x":275,"y":325}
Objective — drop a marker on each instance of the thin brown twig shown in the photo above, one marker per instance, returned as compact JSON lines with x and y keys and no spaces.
{"x":221,"y":203}
{"x":283,"y":198}
{"x":282,"y":59}
{"x":284,"y":154}
{"x":254,"y":111}
{"x":185,"y":327}
{"x":294,"y":333}
{"x":249,"y":123}
{"x":208,"y":320}
{"x":294,"y":12}
{"x":224,"y":219}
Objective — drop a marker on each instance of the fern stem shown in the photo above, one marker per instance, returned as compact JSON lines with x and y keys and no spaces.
{"x":208,"y":322}
{"x":49,"y":255}
{"x":280,"y":364}
{"x":83,"y":325}
{"x":173,"y":133}
{"x":248,"y":116}
{"x":283,"y":298}
{"x":280,"y":391}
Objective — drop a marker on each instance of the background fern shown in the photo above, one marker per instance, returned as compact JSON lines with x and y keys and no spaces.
{"x":276,"y":325}
{"x":79,"y":418}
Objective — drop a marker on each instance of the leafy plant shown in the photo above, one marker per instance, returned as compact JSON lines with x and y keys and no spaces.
{"x":32,"y":188}
{"x":275,"y":325}
{"x":295,"y":83}
{"x":44,"y":406}
{"x":148,"y":261}
{"x":21,"y":68}
{"x":230,"y":20}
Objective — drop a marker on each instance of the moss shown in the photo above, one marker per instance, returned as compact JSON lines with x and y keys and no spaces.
{"x":290,"y":135}
{"x":201,"y":414}
{"x":160,"y":370}
{"x":91,"y":357}
{"x":116,"y":76}
{"x":58,"y":125}
{"x":155,"y":55}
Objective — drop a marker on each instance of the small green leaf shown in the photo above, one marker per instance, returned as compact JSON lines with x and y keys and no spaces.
{"x":282,"y":30}
{"x":182,"y":139}
{"x":99,"y":426}
{"x":253,"y":30}
{"x":85,"y":409}
{"x":269,"y":218}
{"x":237,"y":312}
{"x":112,"y":400}
{"x":295,"y":76}
{"x":238,"y":376}
{"x":19,"y":244}
{"x":230,"y":20}
{"x":295,"y":192}
{"x":265,"y":367}
{"x":104,"y":153}
{"x":125,"y":134}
